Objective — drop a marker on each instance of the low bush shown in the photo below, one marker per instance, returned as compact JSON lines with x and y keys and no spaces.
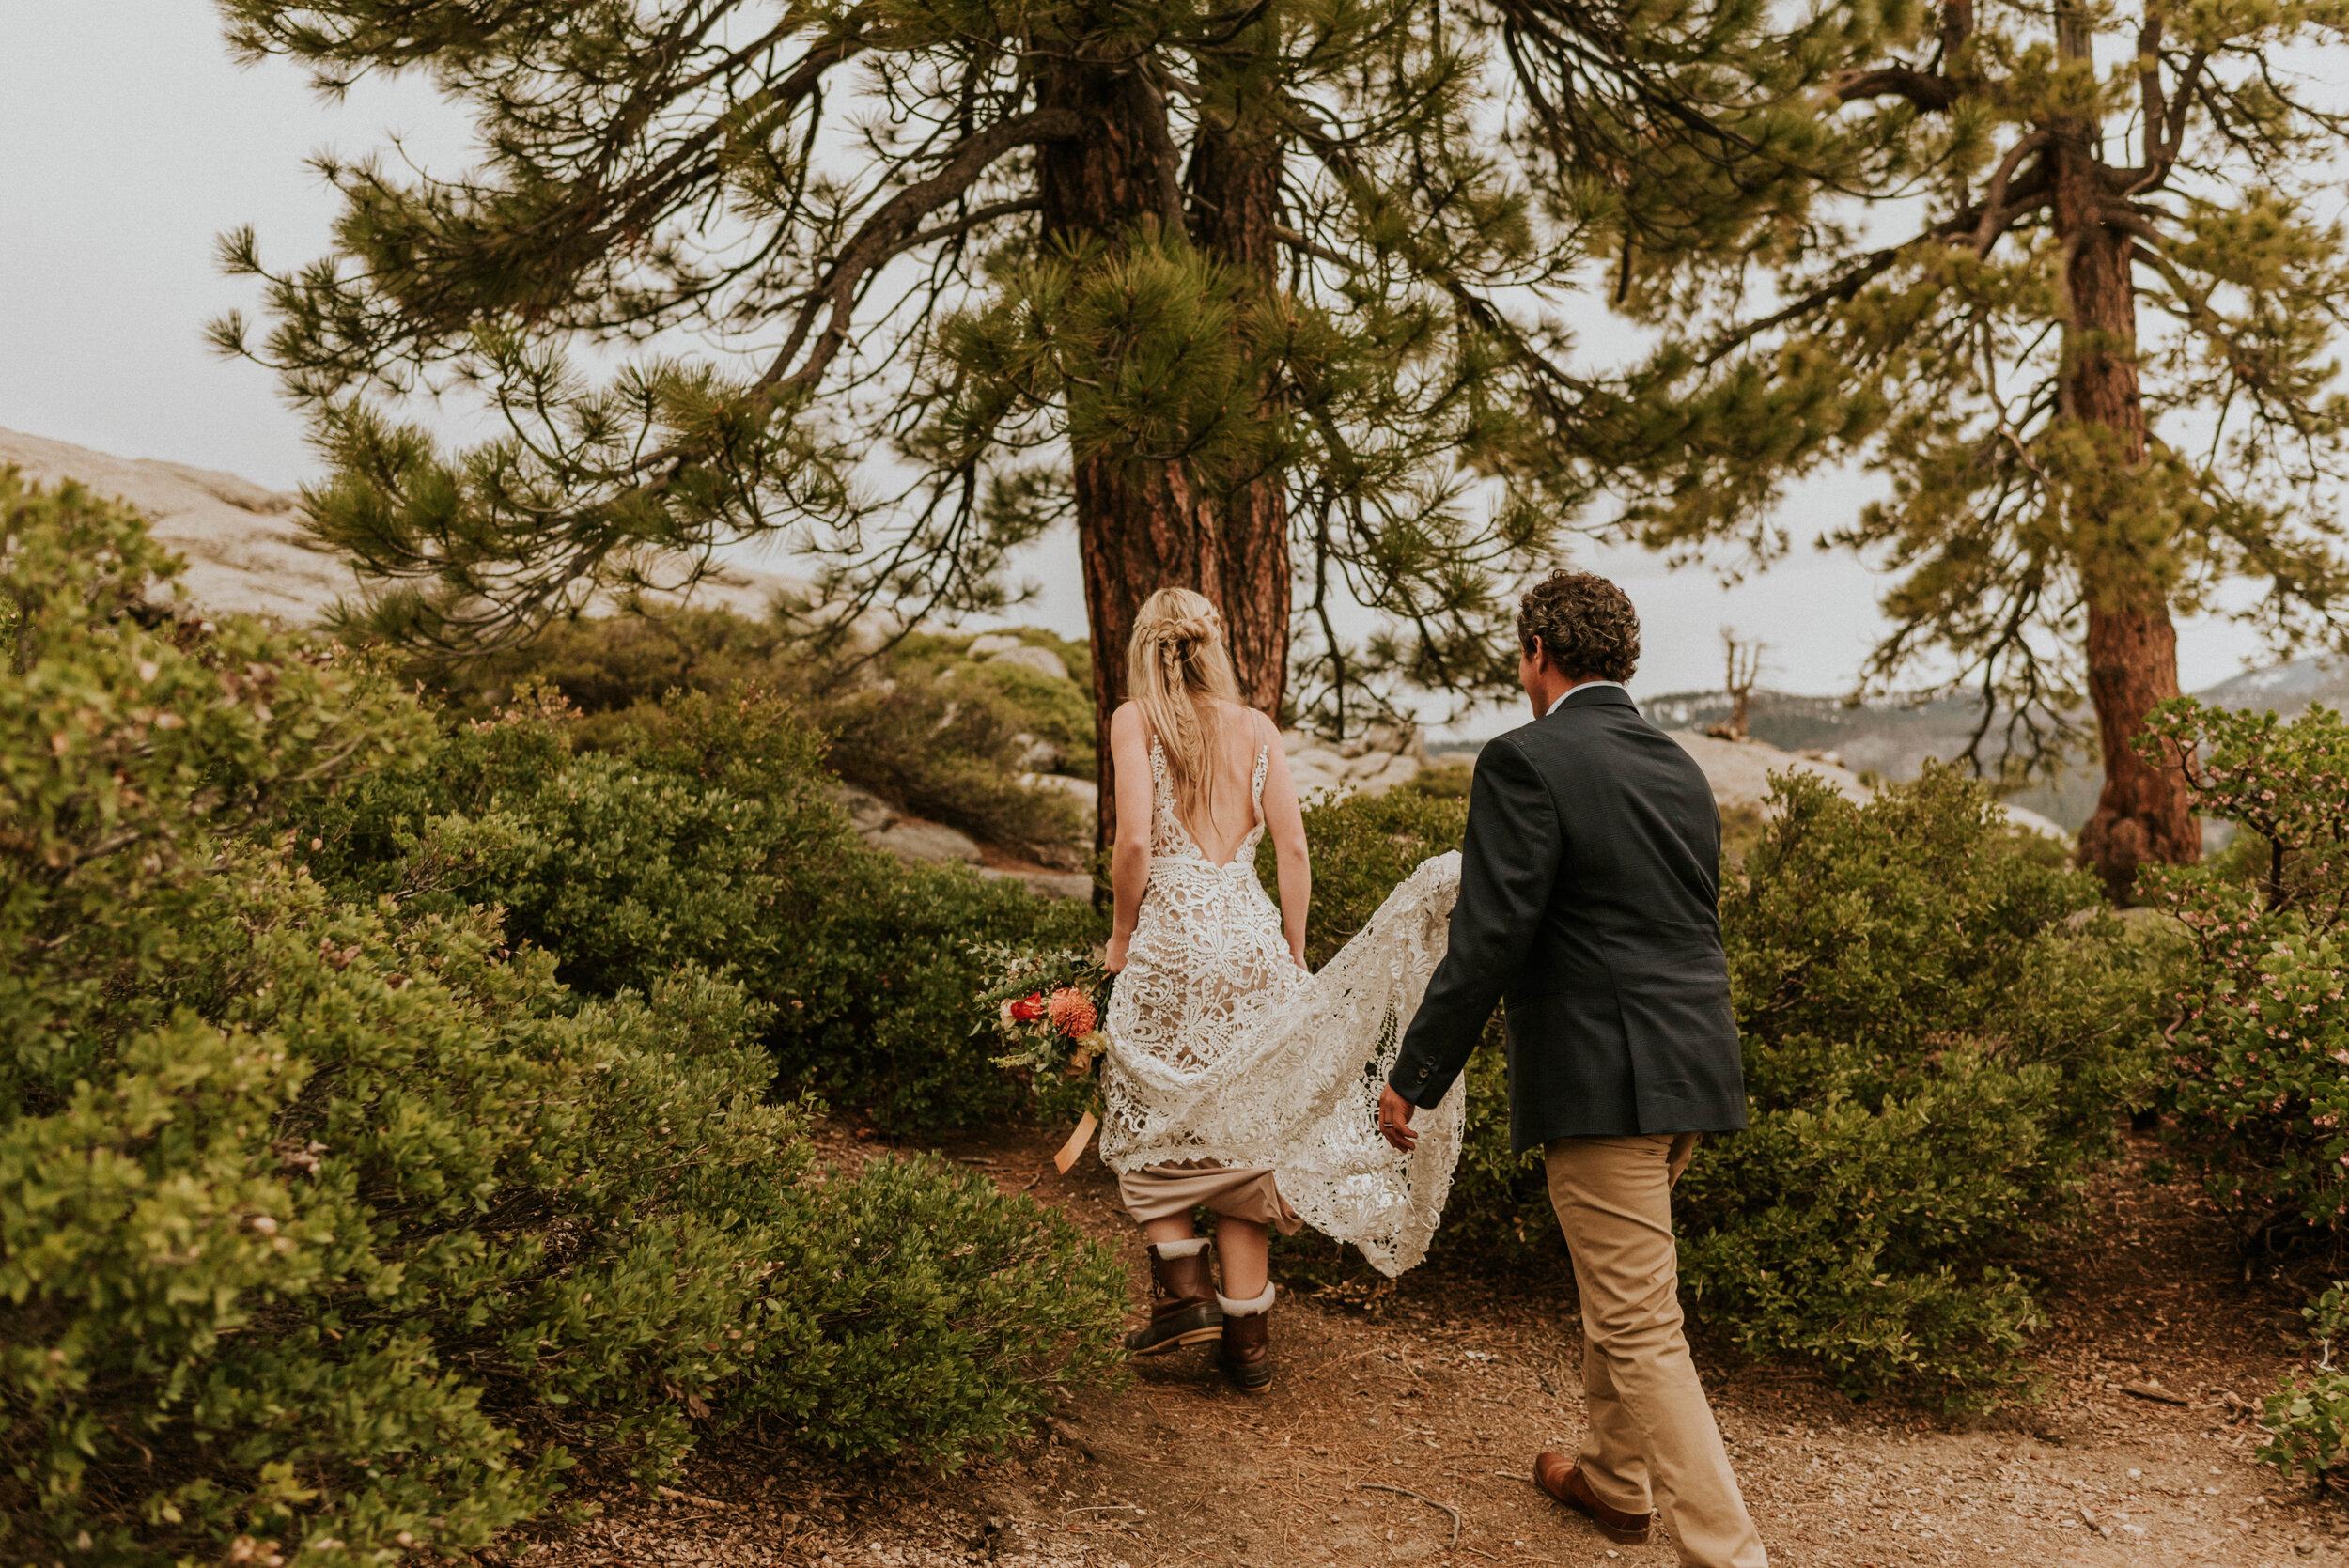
{"x":1936,"y":1043}
{"x":330,"y":1223}
{"x":1941,"y":1029}
{"x":2306,"y":1421}
{"x":704,"y":835}
{"x":2261,"y":1094}
{"x":952,"y":751}
{"x":933,"y":733}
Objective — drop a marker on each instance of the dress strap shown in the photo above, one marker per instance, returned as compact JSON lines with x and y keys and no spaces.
{"x":1256,"y":783}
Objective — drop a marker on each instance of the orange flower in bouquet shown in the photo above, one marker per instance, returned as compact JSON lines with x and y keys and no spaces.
{"x":1046,"y":1008}
{"x":1072,"y":1012}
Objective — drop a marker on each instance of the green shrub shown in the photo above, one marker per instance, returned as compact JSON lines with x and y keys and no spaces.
{"x":922,"y":1312}
{"x":1060,"y":711}
{"x":610,"y":663}
{"x":950,"y":750}
{"x":2307,"y":1419}
{"x":1935,"y":1049}
{"x":326,"y":1224}
{"x":704,"y":835}
{"x":126,"y":732}
{"x":1935,"y":1052}
{"x":2261,"y":1095}
{"x":923,"y":728}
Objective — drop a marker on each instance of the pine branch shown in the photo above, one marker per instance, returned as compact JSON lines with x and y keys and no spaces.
{"x":1931,"y":92}
{"x":888,"y":232}
{"x":1987,"y":223}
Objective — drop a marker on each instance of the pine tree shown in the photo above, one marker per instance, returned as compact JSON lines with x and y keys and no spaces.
{"x":1250,"y":293}
{"x":2093,"y":358}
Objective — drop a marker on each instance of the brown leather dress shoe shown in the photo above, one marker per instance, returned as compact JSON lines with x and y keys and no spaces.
{"x":1562,"y":1478}
{"x":1182,"y":1306}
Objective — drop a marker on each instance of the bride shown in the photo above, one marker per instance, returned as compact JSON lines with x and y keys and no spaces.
{"x":1234,"y":1079}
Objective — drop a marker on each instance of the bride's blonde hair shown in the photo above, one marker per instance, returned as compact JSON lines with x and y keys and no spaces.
{"x":1175,"y":664}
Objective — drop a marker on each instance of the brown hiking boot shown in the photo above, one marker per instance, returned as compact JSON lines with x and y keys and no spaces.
{"x":1247,"y":1351}
{"x":1182,"y":1306}
{"x":1562,"y":1478}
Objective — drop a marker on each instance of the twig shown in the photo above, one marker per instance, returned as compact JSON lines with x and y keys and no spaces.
{"x":1511,"y":1475}
{"x":1101,"y":1508}
{"x":1406,"y":1492}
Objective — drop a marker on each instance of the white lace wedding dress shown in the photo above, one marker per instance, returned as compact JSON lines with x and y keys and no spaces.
{"x":1221,"y":1049}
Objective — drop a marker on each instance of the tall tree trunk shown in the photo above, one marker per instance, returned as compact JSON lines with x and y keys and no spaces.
{"x":1234,"y":197}
{"x":1141,"y":526}
{"x":2142,"y":816}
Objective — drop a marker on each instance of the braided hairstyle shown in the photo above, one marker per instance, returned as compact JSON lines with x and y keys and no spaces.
{"x":1175,"y":664}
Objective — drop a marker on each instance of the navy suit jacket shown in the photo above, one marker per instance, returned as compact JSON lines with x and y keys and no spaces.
{"x":1590,"y":888}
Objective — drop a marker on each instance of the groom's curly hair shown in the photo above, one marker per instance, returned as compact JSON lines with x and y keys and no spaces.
{"x":1586,"y":624}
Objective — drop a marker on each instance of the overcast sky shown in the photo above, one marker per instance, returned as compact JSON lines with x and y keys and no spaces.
{"x":129,"y":141}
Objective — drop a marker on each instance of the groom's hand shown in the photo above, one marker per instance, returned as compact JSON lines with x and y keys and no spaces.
{"x":1394,"y":1120}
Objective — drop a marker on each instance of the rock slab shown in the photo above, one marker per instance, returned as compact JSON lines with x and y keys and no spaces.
{"x":1739,"y":772}
{"x":246,"y":552}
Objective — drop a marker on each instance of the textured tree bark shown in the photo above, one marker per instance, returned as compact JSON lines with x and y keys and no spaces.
{"x":1141,"y":526}
{"x":1234,"y":187}
{"x":2142,"y":814}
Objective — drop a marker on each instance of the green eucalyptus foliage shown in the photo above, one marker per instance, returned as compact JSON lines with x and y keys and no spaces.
{"x":331,"y":1223}
{"x":1939,"y":1031}
{"x":2261,"y":1055}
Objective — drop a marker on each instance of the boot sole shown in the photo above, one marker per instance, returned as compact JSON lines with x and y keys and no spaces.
{"x":1176,"y":1342}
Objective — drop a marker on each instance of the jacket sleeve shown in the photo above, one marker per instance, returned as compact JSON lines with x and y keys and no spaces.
{"x":1508,"y":868}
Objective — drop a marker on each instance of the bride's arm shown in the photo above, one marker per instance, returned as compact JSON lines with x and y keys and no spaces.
{"x":1285,"y":824}
{"x":1129,"y":857}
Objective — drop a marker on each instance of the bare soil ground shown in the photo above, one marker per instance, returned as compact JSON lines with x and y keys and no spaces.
{"x":1404,"y":1417}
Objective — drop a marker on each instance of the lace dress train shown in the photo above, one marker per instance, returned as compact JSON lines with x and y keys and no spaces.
{"x":1224,"y":1057}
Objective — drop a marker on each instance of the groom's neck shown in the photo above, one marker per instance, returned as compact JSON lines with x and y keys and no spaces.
{"x":1549,"y":683}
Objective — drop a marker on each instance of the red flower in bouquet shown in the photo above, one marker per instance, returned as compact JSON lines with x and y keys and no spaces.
{"x":1028,"y":1008}
{"x":1073,"y":1012}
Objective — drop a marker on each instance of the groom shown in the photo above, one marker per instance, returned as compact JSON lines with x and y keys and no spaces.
{"x":1589,"y":886}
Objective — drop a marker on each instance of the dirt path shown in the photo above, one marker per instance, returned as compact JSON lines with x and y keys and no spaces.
{"x":1400,"y":1409}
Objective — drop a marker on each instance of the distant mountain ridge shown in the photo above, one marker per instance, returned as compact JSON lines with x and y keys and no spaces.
{"x":2289,"y":689}
{"x":1893,"y":740}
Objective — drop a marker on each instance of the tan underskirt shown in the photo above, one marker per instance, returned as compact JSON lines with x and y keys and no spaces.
{"x":1236,"y":1191}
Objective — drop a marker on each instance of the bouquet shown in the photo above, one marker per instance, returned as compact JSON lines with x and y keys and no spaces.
{"x":1046,"y":1010}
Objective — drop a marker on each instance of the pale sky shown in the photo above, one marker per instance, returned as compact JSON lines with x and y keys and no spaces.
{"x":129,"y":142}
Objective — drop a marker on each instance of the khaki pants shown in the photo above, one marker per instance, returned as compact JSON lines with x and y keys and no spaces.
{"x":1652,"y":1442}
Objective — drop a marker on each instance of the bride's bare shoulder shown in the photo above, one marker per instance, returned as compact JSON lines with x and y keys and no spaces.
{"x":1253,"y":718}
